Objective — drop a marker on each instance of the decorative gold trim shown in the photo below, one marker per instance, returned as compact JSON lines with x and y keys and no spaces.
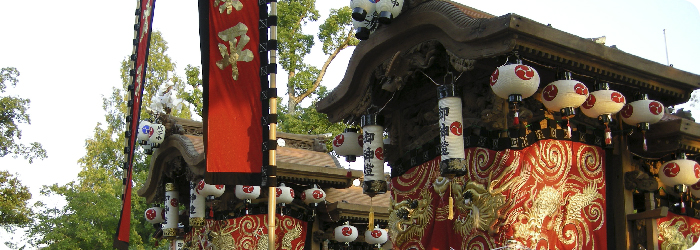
{"x":169,"y":232}
{"x":170,"y":187}
{"x":197,"y":222}
{"x":375,"y":187}
{"x":453,"y":167}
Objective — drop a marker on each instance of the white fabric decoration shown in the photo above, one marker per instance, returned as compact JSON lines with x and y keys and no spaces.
{"x":451,"y":128}
{"x":373,"y":152}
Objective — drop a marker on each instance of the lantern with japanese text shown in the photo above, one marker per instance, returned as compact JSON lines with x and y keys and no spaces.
{"x":601,"y":104}
{"x":158,"y":135}
{"x":376,"y":236}
{"x":365,"y":27}
{"x":345,"y":233}
{"x":373,"y":152}
{"x":247,"y":193}
{"x":171,"y":211}
{"x":451,"y":130}
{"x":388,"y":10}
{"x":199,"y":191}
{"x":362,"y":8}
{"x":155,"y":215}
{"x":642,"y":113}
{"x":144,"y":132}
{"x":348,"y":144}
{"x":565,"y":96}
{"x":514,"y":82}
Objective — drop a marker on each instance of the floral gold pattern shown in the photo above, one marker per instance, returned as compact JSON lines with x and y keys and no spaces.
{"x":248,"y":233}
{"x":549,"y":195}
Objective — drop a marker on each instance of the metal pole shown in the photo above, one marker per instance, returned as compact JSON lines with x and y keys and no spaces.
{"x":271,"y":206}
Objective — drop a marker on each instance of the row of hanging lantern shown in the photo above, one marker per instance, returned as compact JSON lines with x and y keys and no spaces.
{"x":367,"y":14}
{"x":347,"y":233}
{"x":150,"y":135}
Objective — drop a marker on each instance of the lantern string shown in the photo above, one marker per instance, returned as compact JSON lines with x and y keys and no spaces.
{"x":431,"y":79}
{"x":387,"y":102}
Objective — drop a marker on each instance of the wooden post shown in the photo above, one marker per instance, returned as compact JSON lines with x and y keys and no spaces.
{"x":650,"y":217}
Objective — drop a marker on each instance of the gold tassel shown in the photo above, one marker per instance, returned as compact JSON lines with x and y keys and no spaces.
{"x":450,"y":206}
{"x":371,"y":216}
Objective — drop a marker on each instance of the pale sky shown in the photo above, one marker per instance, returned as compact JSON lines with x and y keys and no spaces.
{"x":69,"y":54}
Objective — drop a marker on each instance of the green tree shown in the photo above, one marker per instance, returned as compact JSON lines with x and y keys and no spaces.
{"x":13,"y":111}
{"x":89,"y":219}
{"x":14,"y":211}
{"x":335,"y":33}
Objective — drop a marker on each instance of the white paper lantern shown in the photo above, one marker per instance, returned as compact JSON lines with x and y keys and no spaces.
{"x":144,"y":132}
{"x":178,"y":244}
{"x":387,"y":10}
{"x":284,"y":194}
{"x":681,"y":171}
{"x":158,"y":135}
{"x":603,"y":102}
{"x":313,"y":195}
{"x":564,"y":94}
{"x":642,"y":111}
{"x":247,"y":192}
{"x":198,"y":194}
{"x":515,"y":79}
{"x":345,"y":233}
{"x":362,"y":8}
{"x":155,"y":215}
{"x":171,"y":211}
{"x":373,"y":153}
{"x":348,"y":144}
{"x":376,"y":236}
{"x":451,"y":131}
{"x":363,"y":29}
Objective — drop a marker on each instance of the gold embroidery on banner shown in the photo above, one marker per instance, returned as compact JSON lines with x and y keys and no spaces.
{"x":235,"y":53}
{"x":670,"y":232}
{"x":408,"y":218}
{"x":545,"y":204}
{"x":228,"y":5}
{"x":479,"y":207}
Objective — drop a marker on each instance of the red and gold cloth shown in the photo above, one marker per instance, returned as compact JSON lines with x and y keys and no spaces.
{"x":677,"y":231}
{"x":550,"y":195}
{"x":248,"y":233}
{"x":232,"y":86}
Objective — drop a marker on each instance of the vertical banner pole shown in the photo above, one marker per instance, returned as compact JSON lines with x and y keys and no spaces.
{"x":273,"y":131}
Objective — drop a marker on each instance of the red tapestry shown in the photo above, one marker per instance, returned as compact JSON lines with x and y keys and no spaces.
{"x":232,"y":89}
{"x":678,"y":232}
{"x":248,"y":233}
{"x":550,"y":195}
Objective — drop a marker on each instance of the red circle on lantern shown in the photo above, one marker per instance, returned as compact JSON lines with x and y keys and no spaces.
{"x":303,"y":196}
{"x":200,"y":186}
{"x":524,"y":72}
{"x":696,"y":168}
{"x":318,"y":194}
{"x":347,"y":231}
{"x":581,"y":89}
{"x":279,"y":192}
{"x":627,"y":111}
{"x":379,"y":153}
{"x":248,"y":189}
{"x":617,"y":97}
{"x":456,"y":128}
{"x":291,"y":191}
{"x":494,"y":77}
{"x":590,"y":101}
{"x":338,"y":141}
{"x":550,"y":92}
{"x":151,"y":214}
{"x":656,"y":108}
{"x":696,"y":186}
{"x":173,"y":202}
{"x":359,"y":140}
{"x":219,"y":187}
{"x":376,"y":233}
{"x":671,"y":169}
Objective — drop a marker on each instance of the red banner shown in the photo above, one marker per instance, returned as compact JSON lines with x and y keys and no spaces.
{"x":248,"y":232}
{"x":678,"y":231}
{"x":138,"y":72}
{"x":232,"y":87}
{"x":550,"y":195}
